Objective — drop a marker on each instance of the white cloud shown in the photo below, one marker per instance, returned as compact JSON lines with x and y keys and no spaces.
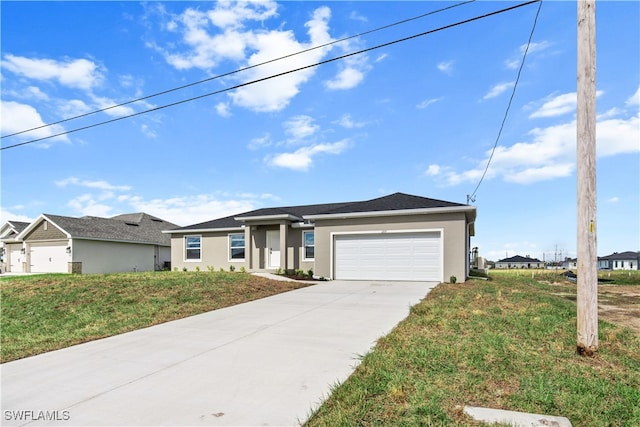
{"x":614,"y":199}
{"x":10,"y":215}
{"x":559,"y":105}
{"x":351,"y":70}
{"x":18,"y":117}
{"x":300,"y":127}
{"x":75,"y":73}
{"x":147,"y":131}
{"x":498,"y":89}
{"x":428,"y":102}
{"x":302,"y":158}
{"x":223,"y":33}
{"x":193,"y":209}
{"x":549,"y":154}
{"x":275,"y":94}
{"x":111,"y":107}
{"x":263,"y":141}
{"x":446,"y":67}
{"x":515,"y":61}
{"x":86,"y":205}
{"x":346,"y":121}
{"x":100,"y":185}
{"x":634,"y":100}
{"x":433,"y":170}
{"x":222,"y":108}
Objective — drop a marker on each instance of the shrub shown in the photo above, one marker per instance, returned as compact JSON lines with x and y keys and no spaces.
{"x":197,"y":268}
{"x":210,"y":268}
{"x":453,"y":279}
{"x":310,"y":273}
{"x":232,"y":268}
{"x":243,"y":270}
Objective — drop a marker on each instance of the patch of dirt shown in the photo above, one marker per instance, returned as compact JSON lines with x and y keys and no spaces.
{"x":620,"y":305}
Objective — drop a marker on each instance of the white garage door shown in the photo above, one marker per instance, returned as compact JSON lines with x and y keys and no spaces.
{"x":389,"y":256}
{"x":50,"y":257}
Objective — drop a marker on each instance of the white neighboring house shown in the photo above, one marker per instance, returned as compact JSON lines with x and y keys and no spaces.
{"x":10,"y":246}
{"x":622,"y":261}
{"x":62,"y":244}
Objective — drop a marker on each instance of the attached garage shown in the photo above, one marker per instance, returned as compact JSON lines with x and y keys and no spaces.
{"x":411,"y":256}
{"x":49,"y":257}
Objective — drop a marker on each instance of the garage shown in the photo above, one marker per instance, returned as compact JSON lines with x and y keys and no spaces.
{"x":414,"y":256}
{"x":50,"y":257}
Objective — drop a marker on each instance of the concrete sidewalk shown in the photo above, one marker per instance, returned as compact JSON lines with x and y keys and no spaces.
{"x":267,"y":362}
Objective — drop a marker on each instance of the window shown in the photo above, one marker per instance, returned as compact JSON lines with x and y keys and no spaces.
{"x":192,"y":246}
{"x":236,"y":246}
{"x":309,"y":245}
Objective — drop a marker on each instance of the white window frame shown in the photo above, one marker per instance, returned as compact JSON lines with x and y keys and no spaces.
{"x":304,"y":246}
{"x":231,"y":259}
{"x":186,"y":259}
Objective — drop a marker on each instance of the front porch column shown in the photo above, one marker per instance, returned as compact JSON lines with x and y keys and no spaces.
{"x":284,"y":228}
{"x":248,"y":248}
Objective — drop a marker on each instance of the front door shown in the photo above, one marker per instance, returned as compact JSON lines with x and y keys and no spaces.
{"x":273,"y":247}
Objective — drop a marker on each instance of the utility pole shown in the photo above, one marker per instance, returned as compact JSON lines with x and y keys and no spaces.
{"x":587,"y":281}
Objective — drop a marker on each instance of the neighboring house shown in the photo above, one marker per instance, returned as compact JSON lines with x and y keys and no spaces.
{"x":519,"y":262}
{"x":396,"y":237}
{"x":570,"y":264}
{"x":621,"y":261}
{"x":62,"y":244}
{"x":10,"y":250}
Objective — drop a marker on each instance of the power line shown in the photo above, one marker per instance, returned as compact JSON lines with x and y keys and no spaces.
{"x":506,"y":113}
{"x":164,"y":92}
{"x":337,"y":58}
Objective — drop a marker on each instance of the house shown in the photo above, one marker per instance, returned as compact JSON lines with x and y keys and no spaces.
{"x":621,"y":261}
{"x":570,"y":264}
{"x":395,"y":237}
{"x":10,"y":246}
{"x":519,"y":262}
{"x":62,"y":244}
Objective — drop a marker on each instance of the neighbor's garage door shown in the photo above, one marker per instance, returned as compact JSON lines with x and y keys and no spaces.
{"x":50,"y":257}
{"x":389,"y":256}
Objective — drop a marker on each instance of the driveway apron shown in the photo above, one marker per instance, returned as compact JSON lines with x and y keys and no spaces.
{"x":268,"y":362}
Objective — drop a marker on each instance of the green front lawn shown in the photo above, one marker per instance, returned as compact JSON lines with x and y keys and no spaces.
{"x":508,"y":343}
{"x":47,"y":312}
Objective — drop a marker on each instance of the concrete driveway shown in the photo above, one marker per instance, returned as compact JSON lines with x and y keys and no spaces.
{"x":266,"y":362}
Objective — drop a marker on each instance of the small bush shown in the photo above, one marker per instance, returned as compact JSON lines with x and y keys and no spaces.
{"x":453,"y":280}
{"x":211,"y":268}
{"x":232,"y":268}
{"x":310,"y":273}
{"x":197,"y":268}
{"x":278,"y":271}
{"x":184,"y":268}
{"x":243,"y":270}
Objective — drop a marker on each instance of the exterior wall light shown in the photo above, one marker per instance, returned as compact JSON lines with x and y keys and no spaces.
{"x":68,"y":249}
{"x":23,"y":251}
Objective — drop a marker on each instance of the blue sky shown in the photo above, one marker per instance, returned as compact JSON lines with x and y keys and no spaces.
{"x":419,"y":117}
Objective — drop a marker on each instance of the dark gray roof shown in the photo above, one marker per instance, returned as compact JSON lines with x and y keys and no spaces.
{"x":136,"y":228}
{"x":13,"y":229}
{"x":622,"y":256}
{"x":519,"y":258}
{"x":396,"y":201}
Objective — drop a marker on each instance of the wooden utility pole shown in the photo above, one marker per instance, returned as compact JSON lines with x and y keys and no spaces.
{"x":587,"y":281}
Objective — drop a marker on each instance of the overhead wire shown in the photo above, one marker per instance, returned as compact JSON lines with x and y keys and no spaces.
{"x":337,"y":58}
{"x":219,"y":76}
{"x":506,"y":113}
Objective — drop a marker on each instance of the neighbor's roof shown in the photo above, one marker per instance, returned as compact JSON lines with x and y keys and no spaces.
{"x":132,"y":228}
{"x":519,"y":258}
{"x":11,"y":229}
{"x":622,"y":256}
{"x":392,"y":202}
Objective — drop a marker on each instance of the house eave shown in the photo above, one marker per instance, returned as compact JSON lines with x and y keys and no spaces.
{"x":35,"y":223}
{"x":203,"y":230}
{"x":286,"y":217}
{"x":470,"y":211}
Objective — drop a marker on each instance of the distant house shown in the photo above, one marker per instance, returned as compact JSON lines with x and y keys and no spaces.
{"x":10,"y":246}
{"x":570,"y":264}
{"x":519,"y":262}
{"x":621,"y":261}
{"x":62,"y":244}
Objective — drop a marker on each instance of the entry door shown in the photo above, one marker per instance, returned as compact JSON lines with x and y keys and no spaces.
{"x":273,"y":246}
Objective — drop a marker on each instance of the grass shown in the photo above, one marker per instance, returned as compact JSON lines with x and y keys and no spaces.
{"x":47,"y":312}
{"x":507,"y":343}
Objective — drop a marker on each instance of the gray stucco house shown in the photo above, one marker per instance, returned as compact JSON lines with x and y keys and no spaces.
{"x":63,"y":244}
{"x":519,"y":262}
{"x":395,"y":237}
